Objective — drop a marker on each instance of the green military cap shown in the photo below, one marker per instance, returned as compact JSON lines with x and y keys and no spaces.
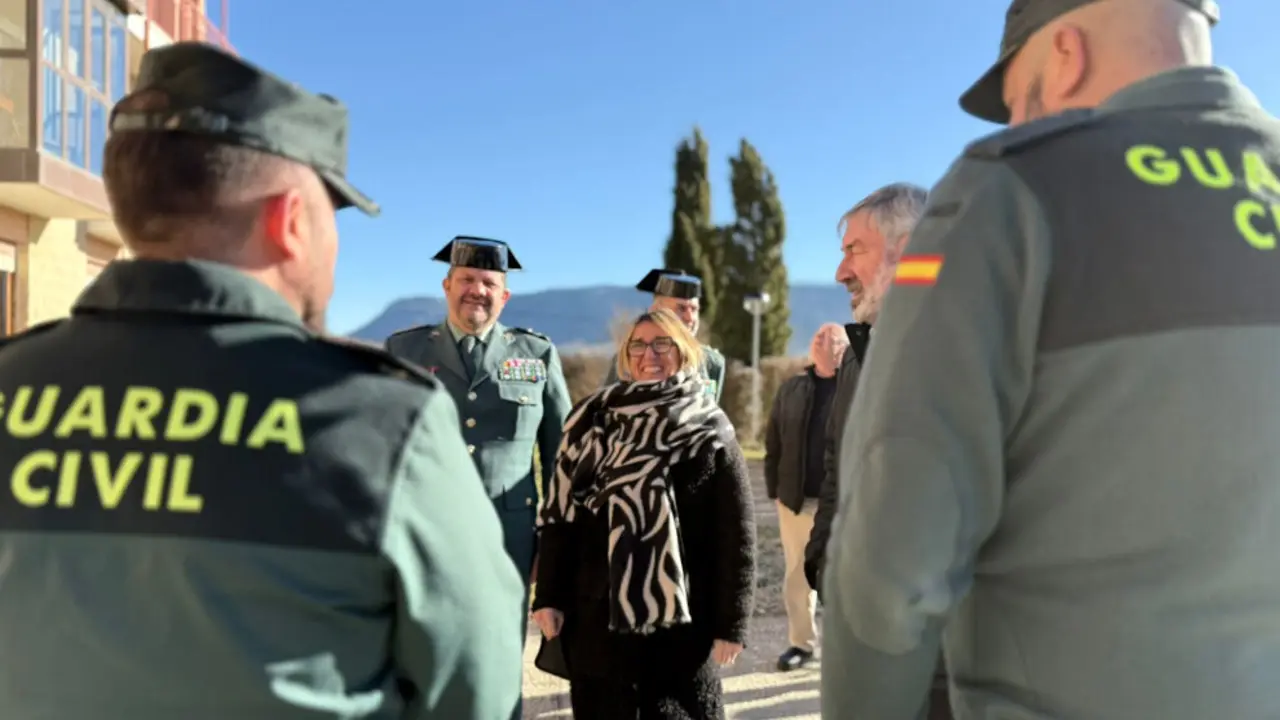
{"x":194,"y":87}
{"x":985,"y":100}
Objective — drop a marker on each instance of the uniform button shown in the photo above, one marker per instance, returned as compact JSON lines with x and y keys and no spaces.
{"x":471,"y":449}
{"x":471,"y":396}
{"x":528,"y":501}
{"x":524,"y":398}
{"x":471,"y":422}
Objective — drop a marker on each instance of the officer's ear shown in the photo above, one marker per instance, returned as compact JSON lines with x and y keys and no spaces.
{"x":285,"y":223}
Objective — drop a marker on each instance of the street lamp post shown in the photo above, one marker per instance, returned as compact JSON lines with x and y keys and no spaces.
{"x":755,"y":303}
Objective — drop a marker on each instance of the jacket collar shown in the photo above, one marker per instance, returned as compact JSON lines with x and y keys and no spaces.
{"x":1191,"y":87}
{"x":190,"y":287}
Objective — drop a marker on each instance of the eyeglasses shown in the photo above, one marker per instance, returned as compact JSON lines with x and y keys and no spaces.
{"x":661,"y":346}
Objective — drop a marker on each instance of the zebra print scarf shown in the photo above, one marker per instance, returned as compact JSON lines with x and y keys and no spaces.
{"x":618,"y":446}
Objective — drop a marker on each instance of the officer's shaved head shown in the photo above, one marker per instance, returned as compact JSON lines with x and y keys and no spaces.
{"x":177,"y":196}
{"x":1082,"y":58}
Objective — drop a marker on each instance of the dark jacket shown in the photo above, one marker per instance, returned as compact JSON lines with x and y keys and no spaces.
{"x":266,"y":524}
{"x":717,"y":530}
{"x":846,"y":383}
{"x":786,"y":442}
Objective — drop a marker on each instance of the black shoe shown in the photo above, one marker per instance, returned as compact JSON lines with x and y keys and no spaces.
{"x":794,"y":659}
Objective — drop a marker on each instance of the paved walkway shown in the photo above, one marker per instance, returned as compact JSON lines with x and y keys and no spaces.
{"x":753,"y":688}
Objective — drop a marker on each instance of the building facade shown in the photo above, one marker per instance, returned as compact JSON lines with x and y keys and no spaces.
{"x":63,"y":64}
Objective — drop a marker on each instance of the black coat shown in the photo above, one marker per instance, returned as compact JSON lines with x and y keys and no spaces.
{"x":846,"y":382}
{"x":717,"y":530}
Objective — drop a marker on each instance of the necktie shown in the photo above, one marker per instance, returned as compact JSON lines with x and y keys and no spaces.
{"x":472,"y":354}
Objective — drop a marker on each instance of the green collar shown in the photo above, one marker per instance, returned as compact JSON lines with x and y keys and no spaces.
{"x":191,"y":287}
{"x":1211,"y":87}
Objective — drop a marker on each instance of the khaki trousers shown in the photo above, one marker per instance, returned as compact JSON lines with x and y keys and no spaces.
{"x":800,"y":599}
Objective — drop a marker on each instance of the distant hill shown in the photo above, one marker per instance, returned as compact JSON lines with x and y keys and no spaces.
{"x":578,"y":318}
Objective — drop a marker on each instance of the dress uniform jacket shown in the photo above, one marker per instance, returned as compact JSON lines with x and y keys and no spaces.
{"x":210,"y":512}
{"x":1065,"y":437}
{"x":712,"y":370}
{"x":516,"y":403}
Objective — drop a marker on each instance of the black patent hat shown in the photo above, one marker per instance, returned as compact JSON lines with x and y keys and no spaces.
{"x":670,"y":282}
{"x":479,"y":253}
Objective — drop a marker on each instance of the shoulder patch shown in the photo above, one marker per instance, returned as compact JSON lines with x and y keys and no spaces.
{"x":32,"y":331}
{"x":383,"y":362}
{"x":1014,"y":140}
{"x":527,"y":331}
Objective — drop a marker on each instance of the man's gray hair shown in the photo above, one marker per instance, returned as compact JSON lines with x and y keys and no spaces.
{"x":895,"y":209}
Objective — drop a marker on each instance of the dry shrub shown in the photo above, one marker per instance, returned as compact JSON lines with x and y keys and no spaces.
{"x":736,"y":399}
{"x":584,"y":373}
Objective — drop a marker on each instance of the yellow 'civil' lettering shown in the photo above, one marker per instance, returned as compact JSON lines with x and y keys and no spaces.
{"x":1247,"y":215}
{"x":20,"y":481}
{"x":166,"y":487}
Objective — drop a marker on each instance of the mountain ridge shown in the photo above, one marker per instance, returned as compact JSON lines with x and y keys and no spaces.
{"x":578,"y":319}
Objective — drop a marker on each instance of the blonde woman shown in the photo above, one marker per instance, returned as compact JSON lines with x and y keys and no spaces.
{"x":647,"y":538}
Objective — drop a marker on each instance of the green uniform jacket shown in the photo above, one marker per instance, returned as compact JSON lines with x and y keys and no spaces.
{"x":518,"y":401}
{"x":1063,"y":450}
{"x":210,"y":512}
{"x":712,"y":371}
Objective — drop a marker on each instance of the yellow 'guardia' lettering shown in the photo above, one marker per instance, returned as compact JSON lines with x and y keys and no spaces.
{"x":167,"y":485}
{"x":192,"y":415}
{"x":1257,"y":220}
{"x":44,"y":477}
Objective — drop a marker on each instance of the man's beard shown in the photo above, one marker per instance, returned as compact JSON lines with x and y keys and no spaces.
{"x":867,"y":309}
{"x":474,"y":313}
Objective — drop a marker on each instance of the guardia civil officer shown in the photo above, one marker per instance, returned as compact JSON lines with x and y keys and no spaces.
{"x":681,"y":293}
{"x":507,"y":381}
{"x":211,"y":510}
{"x":1064,"y":437}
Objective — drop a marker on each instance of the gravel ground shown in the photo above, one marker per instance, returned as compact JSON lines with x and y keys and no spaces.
{"x":754,"y":689}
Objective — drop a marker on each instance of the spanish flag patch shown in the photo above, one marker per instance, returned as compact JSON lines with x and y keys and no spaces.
{"x":918,"y":270}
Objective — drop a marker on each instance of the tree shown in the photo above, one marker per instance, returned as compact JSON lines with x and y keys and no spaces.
{"x":692,"y":232}
{"x":752,"y":261}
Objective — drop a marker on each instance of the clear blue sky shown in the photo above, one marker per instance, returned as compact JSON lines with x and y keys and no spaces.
{"x":552,"y":124}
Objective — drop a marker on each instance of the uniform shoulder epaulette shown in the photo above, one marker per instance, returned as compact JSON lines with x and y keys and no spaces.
{"x":527,"y":331}
{"x":415,"y":328}
{"x":32,"y":331}
{"x":384,"y":362}
{"x":1013,"y":140}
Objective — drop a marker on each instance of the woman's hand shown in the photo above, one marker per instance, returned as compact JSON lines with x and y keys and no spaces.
{"x":725,"y":653}
{"x":549,"y":621}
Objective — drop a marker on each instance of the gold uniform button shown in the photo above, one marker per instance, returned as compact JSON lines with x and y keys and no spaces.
{"x":471,"y":396}
{"x":471,"y":449}
{"x":471,"y":422}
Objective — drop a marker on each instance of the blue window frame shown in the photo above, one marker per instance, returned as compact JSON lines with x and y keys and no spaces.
{"x":53,"y":131}
{"x":98,"y":50}
{"x":77,"y":126}
{"x":97,"y":134}
{"x":85,"y":69}
{"x":118,"y":60}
